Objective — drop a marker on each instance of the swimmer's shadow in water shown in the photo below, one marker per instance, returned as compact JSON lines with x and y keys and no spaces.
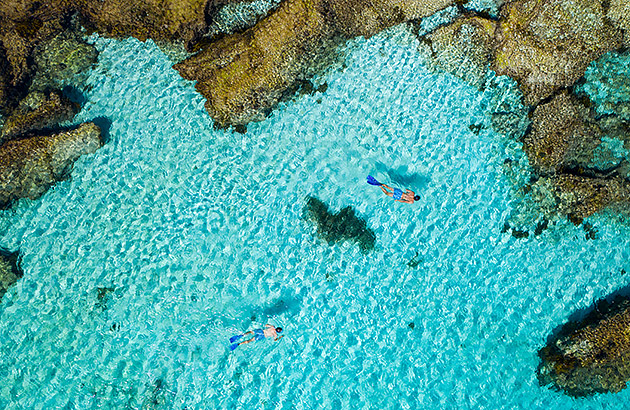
{"x":400,"y":176}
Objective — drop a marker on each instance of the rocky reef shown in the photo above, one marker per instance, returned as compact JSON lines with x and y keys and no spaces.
{"x":243,"y":76}
{"x":35,"y":112}
{"x":10,"y":270}
{"x":590,"y":355}
{"x":577,"y":150}
{"x":29,"y":166}
{"x":341,"y":226}
{"x":547,"y":45}
{"x":464,"y":48}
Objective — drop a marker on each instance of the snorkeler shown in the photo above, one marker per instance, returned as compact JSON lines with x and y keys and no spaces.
{"x":407,"y":197}
{"x":258,"y":334}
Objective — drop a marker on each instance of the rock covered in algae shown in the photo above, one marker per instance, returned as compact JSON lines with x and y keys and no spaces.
{"x":35,"y":112}
{"x":547,"y":45}
{"x":29,"y":166}
{"x":10,"y":271}
{"x":576,"y":161}
{"x":155,"y":19}
{"x":463,"y":48}
{"x":592,"y":355}
{"x":61,"y":58}
{"x":580,"y":196}
{"x":341,"y":226}
{"x":243,"y":76}
{"x":563,"y":136}
{"x":619,"y":14}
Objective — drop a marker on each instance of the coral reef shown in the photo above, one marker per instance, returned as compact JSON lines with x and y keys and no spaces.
{"x":245,"y":75}
{"x":10,"y":271}
{"x":591,"y":355}
{"x":35,"y":112}
{"x":547,"y":45}
{"x":29,"y":166}
{"x":341,"y":226}
{"x":463,"y":48}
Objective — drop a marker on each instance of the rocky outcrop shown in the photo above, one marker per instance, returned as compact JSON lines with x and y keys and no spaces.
{"x":619,"y":14}
{"x":64,"y":57}
{"x":37,"y":111}
{"x":341,"y":226}
{"x":245,"y":75}
{"x":563,"y":136}
{"x":29,"y":166}
{"x":10,"y":271}
{"x":592,"y":355}
{"x":463,"y":48}
{"x":547,"y":45}
{"x":566,"y":149}
{"x":154,"y":19}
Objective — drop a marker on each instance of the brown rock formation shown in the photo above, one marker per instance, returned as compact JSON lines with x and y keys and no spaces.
{"x":35,"y":112}
{"x":28,"y":167}
{"x":243,"y":76}
{"x":560,"y":147}
{"x":547,"y":45}
{"x":619,"y":14}
{"x":592,"y":355}
{"x":155,"y":19}
{"x":580,"y":196}
{"x":563,"y":136}
{"x":464,"y":48}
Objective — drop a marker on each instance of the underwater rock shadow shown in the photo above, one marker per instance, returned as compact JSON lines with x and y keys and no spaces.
{"x":341,"y":226}
{"x":588,"y":354}
{"x":105,"y":124}
{"x":400,"y":176}
{"x":590,"y":314}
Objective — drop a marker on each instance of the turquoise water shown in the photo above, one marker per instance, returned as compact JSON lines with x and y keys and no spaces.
{"x":199,"y":234}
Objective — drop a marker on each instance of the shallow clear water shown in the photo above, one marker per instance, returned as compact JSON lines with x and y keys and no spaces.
{"x":199,"y":232}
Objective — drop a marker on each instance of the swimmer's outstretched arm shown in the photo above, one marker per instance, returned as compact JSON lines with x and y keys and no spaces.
{"x":278,"y":338}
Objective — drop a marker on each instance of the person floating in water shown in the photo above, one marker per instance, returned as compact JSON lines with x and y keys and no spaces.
{"x":407,"y":197}
{"x":257,"y":334}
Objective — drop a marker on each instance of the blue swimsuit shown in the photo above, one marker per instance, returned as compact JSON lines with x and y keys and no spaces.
{"x":397,"y":193}
{"x":259,"y":334}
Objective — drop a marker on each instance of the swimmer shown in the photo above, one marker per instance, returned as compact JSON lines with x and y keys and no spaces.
{"x":407,"y":197}
{"x":257,"y":334}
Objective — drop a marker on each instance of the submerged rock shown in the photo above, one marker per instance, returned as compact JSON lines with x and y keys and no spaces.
{"x":547,"y":45}
{"x":62,"y":58}
{"x":37,"y":111}
{"x":243,"y":76}
{"x":10,"y":271}
{"x":592,"y":355}
{"x":580,"y":196}
{"x":28,"y":167}
{"x":341,"y":226}
{"x":563,"y":136}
